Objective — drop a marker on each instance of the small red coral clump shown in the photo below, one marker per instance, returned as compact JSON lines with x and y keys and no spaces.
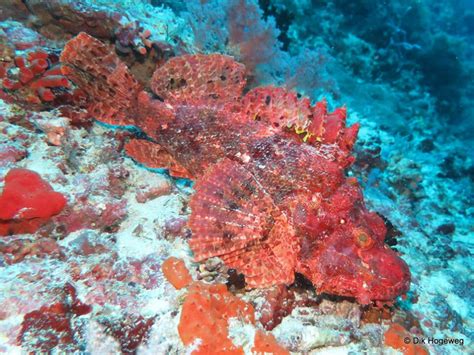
{"x":396,"y":336}
{"x":205,"y":316}
{"x":176,"y":272}
{"x":37,"y":78}
{"x":27,"y":202}
{"x":267,"y":344}
{"x":132,"y":36}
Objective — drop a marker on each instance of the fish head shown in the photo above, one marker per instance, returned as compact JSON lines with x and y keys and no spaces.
{"x":343,"y":252}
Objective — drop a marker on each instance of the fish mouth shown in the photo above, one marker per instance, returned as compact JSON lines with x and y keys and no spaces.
{"x":377,"y":274}
{"x":391,"y":275}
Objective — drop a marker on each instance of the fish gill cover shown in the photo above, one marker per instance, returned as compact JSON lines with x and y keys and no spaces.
{"x":234,"y":176}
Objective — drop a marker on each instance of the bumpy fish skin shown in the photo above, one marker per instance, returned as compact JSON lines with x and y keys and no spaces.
{"x":271,"y":195}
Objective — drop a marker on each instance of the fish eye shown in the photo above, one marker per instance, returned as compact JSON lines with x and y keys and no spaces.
{"x":362,"y":239}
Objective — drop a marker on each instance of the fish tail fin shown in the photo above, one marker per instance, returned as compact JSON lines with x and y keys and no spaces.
{"x":95,"y":68}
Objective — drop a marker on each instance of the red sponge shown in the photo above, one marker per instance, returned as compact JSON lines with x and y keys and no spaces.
{"x":26,"y":198}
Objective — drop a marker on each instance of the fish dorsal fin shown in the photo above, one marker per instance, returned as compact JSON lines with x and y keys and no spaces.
{"x":200,"y":79}
{"x":287,"y":112}
{"x":277,"y":106}
{"x":235,"y":219}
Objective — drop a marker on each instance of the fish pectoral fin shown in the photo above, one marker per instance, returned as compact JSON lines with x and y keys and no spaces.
{"x":234,"y":218}
{"x":152,"y":155}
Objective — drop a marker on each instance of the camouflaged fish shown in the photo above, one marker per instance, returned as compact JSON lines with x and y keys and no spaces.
{"x":271,"y":196}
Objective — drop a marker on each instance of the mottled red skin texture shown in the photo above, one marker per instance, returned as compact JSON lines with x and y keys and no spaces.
{"x":329,"y":219}
{"x":279,"y":302}
{"x":271,"y":196}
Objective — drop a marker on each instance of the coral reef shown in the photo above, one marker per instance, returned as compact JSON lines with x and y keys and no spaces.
{"x":35,"y":78}
{"x":191,"y":178}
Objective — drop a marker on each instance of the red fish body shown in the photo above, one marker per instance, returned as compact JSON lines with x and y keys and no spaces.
{"x":271,"y":195}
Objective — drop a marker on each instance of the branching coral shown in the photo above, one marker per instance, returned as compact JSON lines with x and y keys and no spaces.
{"x":38,"y":79}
